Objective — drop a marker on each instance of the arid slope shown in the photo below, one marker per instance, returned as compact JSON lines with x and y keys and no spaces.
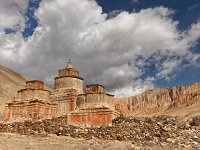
{"x":10,"y":83}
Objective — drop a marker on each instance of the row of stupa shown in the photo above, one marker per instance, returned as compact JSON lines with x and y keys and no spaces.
{"x":91,"y":106}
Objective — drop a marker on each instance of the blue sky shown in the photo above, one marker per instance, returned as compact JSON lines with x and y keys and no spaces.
{"x":186,"y":11}
{"x":31,"y":22}
{"x":127,"y":45}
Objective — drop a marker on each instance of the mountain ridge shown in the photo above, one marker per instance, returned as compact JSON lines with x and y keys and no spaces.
{"x":177,"y":100}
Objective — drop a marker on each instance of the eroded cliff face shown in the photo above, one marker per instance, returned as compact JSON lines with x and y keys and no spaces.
{"x":160,"y":99}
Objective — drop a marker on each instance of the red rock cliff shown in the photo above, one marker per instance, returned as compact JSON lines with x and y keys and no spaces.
{"x":160,"y":99}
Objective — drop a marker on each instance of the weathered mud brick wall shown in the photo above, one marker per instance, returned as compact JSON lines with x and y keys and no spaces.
{"x":33,"y":90}
{"x":95,"y":108}
{"x":92,"y":117}
{"x":33,"y":102}
{"x":95,"y":97}
{"x":30,"y":94}
{"x":32,"y":110}
{"x":68,"y":85}
{"x":65,"y":99}
{"x":69,"y":78}
{"x":94,"y":88}
{"x":35,"y":84}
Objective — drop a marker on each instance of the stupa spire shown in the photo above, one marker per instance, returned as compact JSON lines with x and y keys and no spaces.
{"x":69,"y":64}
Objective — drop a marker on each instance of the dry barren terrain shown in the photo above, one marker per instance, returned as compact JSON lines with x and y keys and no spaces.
{"x":10,"y":141}
{"x":10,"y":83}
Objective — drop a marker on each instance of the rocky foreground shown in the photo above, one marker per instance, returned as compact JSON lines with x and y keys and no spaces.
{"x":126,"y":133}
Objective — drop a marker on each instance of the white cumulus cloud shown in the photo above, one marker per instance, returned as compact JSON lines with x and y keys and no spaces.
{"x":105,"y":50}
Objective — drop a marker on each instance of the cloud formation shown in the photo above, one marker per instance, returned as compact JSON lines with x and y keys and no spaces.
{"x":11,"y":14}
{"x":115,"y":52}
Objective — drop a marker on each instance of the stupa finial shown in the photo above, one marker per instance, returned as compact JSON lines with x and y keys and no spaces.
{"x":69,"y":64}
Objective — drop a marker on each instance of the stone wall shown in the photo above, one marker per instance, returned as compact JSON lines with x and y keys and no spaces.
{"x":34,"y":126}
{"x":162,"y":132}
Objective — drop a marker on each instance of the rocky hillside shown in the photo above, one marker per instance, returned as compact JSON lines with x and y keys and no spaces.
{"x":10,"y":83}
{"x":175,"y":100}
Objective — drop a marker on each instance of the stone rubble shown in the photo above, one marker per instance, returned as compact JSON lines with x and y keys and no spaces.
{"x":142,"y":132}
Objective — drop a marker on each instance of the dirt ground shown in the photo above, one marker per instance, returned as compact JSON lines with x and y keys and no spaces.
{"x":10,"y":141}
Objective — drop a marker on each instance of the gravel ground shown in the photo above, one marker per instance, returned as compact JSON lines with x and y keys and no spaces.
{"x":10,"y":141}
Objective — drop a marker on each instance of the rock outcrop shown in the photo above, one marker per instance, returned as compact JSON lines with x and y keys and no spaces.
{"x":161,"y":99}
